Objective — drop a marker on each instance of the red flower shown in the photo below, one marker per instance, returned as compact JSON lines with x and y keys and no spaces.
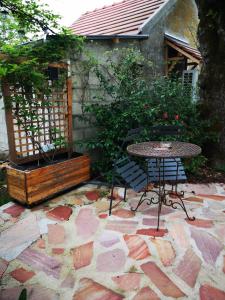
{"x":177,"y":117}
{"x":165,"y":115}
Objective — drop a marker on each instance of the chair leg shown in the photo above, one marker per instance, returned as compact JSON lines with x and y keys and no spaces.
{"x":125,"y":194}
{"x":111,"y":197}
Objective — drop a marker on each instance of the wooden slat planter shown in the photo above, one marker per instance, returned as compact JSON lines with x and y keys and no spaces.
{"x":30,"y":187}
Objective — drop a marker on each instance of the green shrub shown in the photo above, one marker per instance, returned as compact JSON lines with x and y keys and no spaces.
{"x":137,"y":102}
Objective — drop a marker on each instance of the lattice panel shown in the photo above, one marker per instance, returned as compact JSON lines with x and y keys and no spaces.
{"x":39,"y":124}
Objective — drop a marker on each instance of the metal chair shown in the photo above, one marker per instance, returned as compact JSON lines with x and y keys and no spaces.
{"x":127,"y":172}
{"x":169,"y":169}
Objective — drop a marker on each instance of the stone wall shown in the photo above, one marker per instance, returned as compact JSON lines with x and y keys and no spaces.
{"x":86,"y":86}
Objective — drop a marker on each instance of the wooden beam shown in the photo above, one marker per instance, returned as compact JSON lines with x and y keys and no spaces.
{"x":183,"y":52}
{"x":176,"y":58}
{"x":172,"y":66}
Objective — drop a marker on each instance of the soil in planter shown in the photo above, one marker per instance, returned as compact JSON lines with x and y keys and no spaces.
{"x":43,"y":163}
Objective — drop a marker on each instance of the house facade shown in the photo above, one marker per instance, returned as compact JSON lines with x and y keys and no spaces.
{"x":163,"y":30}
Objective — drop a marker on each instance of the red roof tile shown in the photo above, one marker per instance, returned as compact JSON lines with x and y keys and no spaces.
{"x":124,"y":17}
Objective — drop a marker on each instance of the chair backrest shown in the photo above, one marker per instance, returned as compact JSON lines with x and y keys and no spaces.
{"x":132,"y":136}
{"x":131,"y":173}
{"x":166,"y":130}
{"x":170,"y":169}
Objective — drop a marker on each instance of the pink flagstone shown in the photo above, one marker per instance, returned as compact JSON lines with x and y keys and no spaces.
{"x":152,"y":222}
{"x":56,"y":234}
{"x":37,"y":292}
{"x":213,"y":197}
{"x":165,"y":251}
{"x":1,"y":221}
{"x":146,"y":294}
{"x":209,"y":246}
{"x":15,"y":210}
{"x":18,"y":237}
{"x":128,"y":282}
{"x":40,"y":244}
{"x":93,"y":195}
{"x":189,"y":267}
{"x":224,"y":264}
{"x":122,"y":226}
{"x":154,"y":211}
{"x":86,"y":222}
{"x":3,"y":266}
{"x":91,"y":290}
{"x":179,"y":235}
{"x":200,"y":188}
{"x":107,"y":238}
{"x":11,"y":293}
{"x":194,"y":199}
{"x":152,"y":232}
{"x":69,"y":281}
{"x":111,"y":261}
{"x":61,"y":213}
{"x":220,"y":232}
{"x":22,"y":275}
{"x":40,"y":261}
{"x":161,"y":280}
{"x":213,"y":215}
{"x":103,"y":216}
{"x":123,"y":213}
{"x":82,"y":255}
{"x":58,"y":251}
{"x":208,"y":292}
{"x":200,"y":223}
{"x":138,"y":248}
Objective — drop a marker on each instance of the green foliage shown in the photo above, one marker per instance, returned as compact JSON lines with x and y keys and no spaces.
{"x":137,"y":102}
{"x":24,"y":63}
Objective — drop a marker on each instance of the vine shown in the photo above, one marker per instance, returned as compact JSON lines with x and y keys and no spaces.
{"x":24,"y":63}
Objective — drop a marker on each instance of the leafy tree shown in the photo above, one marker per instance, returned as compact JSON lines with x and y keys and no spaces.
{"x":211,"y":35}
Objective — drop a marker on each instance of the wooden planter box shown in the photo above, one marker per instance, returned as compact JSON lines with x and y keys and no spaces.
{"x":32,"y":186}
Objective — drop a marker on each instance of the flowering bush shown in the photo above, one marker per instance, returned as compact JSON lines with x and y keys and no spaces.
{"x":136,"y":103}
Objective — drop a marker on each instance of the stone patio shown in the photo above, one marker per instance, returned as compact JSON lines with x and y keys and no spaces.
{"x":69,"y":248}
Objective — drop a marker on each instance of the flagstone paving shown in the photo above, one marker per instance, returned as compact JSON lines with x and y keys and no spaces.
{"x":69,"y":248}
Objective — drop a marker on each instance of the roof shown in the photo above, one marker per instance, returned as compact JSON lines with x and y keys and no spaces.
{"x":124,"y":17}
{"x":183,"y":47}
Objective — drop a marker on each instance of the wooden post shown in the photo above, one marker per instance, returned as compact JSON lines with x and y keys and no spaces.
{"x":70,"y":117}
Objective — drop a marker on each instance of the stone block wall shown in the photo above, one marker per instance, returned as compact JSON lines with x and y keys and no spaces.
{"x":86,"y":87}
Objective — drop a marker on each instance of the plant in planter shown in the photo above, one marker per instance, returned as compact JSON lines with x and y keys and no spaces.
{"x":38,"y":101}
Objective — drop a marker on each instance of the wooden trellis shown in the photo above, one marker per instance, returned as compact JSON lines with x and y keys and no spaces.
{"x":43,"y":125}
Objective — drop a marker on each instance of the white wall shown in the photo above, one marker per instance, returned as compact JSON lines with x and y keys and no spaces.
{"x":3,"y":131}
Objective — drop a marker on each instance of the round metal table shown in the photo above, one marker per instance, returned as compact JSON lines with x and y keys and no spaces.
{"x":162,"y":151}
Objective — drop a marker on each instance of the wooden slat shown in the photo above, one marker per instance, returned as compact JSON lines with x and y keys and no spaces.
{"x":32,"y":186}
{"x":44,"y":185}
{"x":60,"y":169}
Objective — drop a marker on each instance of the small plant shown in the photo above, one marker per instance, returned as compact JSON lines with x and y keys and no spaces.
{"x":23,"y":295}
